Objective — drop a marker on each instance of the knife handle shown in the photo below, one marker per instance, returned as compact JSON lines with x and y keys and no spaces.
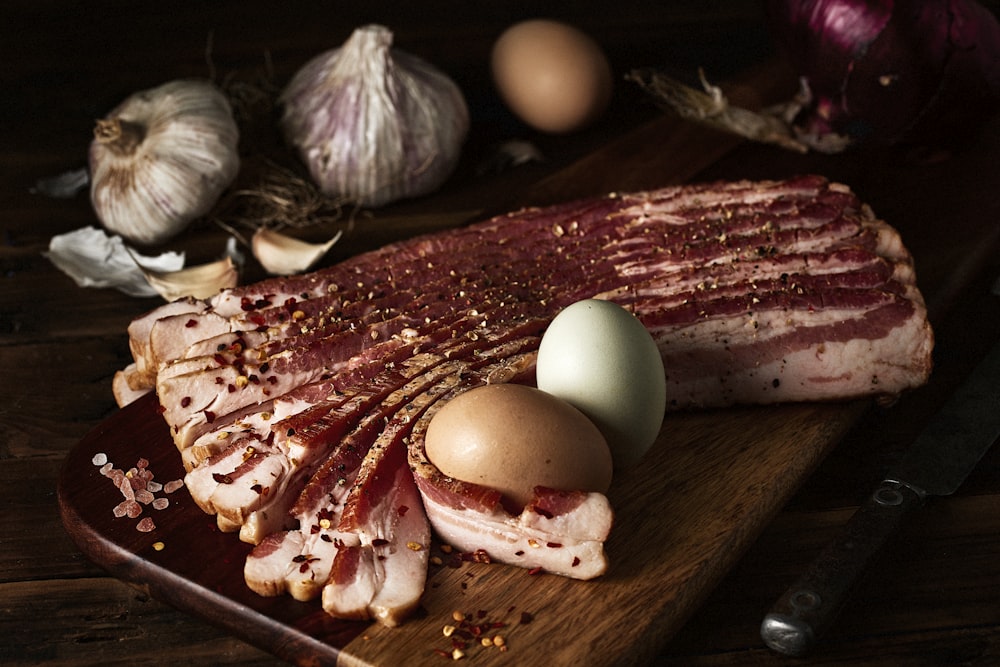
{"x":811,"y":604}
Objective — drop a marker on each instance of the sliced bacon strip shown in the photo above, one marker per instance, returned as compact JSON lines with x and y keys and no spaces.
{"x":754,"y":292}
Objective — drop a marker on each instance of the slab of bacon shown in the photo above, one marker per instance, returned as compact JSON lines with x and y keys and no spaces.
{"x":299,"y":404}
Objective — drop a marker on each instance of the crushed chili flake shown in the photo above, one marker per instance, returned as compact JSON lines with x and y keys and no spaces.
{"x":467,"y":631}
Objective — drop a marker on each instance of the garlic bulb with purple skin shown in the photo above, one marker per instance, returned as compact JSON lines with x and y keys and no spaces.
{"x":374,"y":124}
{"x":161,"y":159}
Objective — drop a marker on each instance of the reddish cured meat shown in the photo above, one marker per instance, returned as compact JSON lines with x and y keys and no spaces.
{"x":754,"y":292}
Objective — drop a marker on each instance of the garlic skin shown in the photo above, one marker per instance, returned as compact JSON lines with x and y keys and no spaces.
{"x":374,"y":124}
{"x":162,"y":158}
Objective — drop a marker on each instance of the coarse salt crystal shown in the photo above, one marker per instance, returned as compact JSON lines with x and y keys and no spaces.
{"x":99,"y":459}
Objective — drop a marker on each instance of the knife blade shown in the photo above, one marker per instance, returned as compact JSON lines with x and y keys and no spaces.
{"x":936,"y":464}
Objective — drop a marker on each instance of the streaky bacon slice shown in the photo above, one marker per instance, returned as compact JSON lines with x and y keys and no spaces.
{"x":755,"y":292}
{"x":353,"y":509}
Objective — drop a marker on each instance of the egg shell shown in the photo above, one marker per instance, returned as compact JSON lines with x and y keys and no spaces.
{"x":600,"y":358}
{"x":512,"y":438}
{"x":551,"y":75}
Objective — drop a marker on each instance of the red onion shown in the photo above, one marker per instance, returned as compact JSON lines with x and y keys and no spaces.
{"x":905,"y":71}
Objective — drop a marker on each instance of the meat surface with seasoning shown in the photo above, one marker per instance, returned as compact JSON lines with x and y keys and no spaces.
{"x":299,"y":404}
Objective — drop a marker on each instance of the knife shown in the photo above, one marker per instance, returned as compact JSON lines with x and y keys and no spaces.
{"x":936,"y":464}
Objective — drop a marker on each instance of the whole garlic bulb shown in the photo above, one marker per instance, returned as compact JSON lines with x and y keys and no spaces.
{"x":162,"y":158}
{"x":374,"y":124}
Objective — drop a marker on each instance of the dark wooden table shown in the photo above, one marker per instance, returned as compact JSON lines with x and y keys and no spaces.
{"x":932,"y":598}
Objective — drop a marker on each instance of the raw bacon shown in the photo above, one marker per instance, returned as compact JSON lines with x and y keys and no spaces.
{"x":299,"y":403}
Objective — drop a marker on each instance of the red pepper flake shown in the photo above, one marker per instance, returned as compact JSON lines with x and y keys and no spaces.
{"x":222,"y":479}
{"x":379,"y":542}
{"x":191,"y":323}
{"x":403,"y":509}
{"x":536,"y":570}
{"x":576,"y":561}
{"x":186,"y":401}
{"x":465,"y":634}
{"x":209,"y":416}
{"x":543,"y":512}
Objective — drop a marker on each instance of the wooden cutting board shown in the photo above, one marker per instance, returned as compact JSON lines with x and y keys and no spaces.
{"x":683,"y":517}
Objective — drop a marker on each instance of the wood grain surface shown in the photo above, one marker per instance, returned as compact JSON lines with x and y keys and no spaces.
{"x":711,"y":482}
{"x":931,"y":599}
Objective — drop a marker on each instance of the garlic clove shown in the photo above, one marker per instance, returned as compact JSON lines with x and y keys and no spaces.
{"x":200,"y":281}
{"x":284,"y":255}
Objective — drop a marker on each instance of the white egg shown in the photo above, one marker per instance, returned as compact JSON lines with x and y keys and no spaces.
{"x":600,"y":358}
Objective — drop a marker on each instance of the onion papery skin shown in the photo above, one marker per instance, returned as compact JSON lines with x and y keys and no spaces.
{"x":374,"y":124}
{"x":923,"y":72}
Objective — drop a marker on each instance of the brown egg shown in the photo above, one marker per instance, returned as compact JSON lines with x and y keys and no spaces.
{"x":513,"y":438}
{"x":553,"y":76}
